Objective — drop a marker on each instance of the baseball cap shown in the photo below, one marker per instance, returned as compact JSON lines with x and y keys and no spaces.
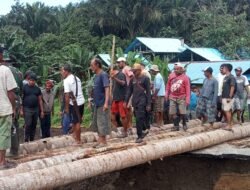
{"x":179,"y":65}
{"x":120,"y":59}
{"x":238,"y":69}
{"x":208,"y":69}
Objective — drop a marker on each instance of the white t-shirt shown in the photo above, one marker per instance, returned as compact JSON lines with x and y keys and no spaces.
{"x":220,"y":78}
{"x":7,"y":83}
{"x":69,"y":84}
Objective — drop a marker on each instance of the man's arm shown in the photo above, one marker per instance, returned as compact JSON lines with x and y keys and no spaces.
{"x":12,"y":97}
{"x":40,"y":101}
{"x":167,"y":89}
{"x":120,"y":79}
{"x":66,"y":103}
{"x":129,"y":92}
{"x":215,"y":92}
{"x":232,"y":87}
{"x":148,"y":93}
{"x":188,"y":91}
{"x":105,"y":107}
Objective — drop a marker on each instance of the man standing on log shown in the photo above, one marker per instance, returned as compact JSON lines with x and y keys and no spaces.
{"x":228,"y":91}
{"x":119,"y":92}
{"x":129,"y":75}
{"x":158,"y":94}
{"x":139,"y":87}
{"x":7,"y":110}
{"x":48,"y":107}
{"x":242,"y":84}
{"x":74,"y":101}
{"x":206,"y":108}
{"x":101,"y":115}
{"x":178,"y":94}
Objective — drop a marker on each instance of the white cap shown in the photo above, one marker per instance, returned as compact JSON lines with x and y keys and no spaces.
{"x":179,"y":65}
{"x":120,"y":59}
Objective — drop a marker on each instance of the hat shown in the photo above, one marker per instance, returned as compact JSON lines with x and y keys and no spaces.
{"x":238,"y":69}
{"x":136,"y":66}
{"x":179,"y":65}
{"x":154,"y":68}
{"x":121,"y":59}
{"x":33,"y":76}
{"x":208,"y":69}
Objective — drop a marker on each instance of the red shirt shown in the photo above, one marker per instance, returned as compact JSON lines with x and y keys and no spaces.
{"x":178,"y":86}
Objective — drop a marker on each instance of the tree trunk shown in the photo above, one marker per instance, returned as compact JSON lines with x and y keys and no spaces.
{"x":81,"y":169}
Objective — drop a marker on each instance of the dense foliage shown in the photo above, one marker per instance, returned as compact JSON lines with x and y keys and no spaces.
{"x":41,"y":37}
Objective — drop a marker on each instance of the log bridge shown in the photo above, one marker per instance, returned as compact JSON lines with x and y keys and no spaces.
{"x":56,"y":161}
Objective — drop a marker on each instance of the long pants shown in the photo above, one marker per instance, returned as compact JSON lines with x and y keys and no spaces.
{"x":141,"y":120}
{"x":30,"y":118}
{"x":45,"y":123}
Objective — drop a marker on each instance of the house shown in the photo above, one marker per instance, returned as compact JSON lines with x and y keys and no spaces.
{"x":163,"y":47}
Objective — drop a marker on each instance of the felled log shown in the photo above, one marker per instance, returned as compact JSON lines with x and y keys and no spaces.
{"x":67,"y":173}
{"x":87,"y":137}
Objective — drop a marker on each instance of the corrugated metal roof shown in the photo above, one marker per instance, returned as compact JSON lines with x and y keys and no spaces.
{"x":199,"y":54}
{"x":194,"y":70}
{"x":158,"y":45}
{"x":211,"y":54}
{"x":105,"y":58}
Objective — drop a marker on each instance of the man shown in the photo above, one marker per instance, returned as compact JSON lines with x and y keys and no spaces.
{"x":139,"y":87}
{"x":119,"y":92}
{"x":48,"y":105}
{"x":74,"y":101}
{"x":15,"y":125}
{"x":101,"y":114}
{"x":242,"y":84}
{"x":228,"y":92}
{"x":178,"y":93}
{"x":220,"y":78}
{"x":158,"y":94}
{"x":149,"y":115}
{"x":31,"y":106}
{"x":7,"y":109}
{"x":129,"y":75}
{"x":206,"y":108}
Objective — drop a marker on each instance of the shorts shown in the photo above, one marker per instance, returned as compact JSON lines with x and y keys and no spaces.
{"x":5,"y":132}
{"x":159,"y":104}
{"x":238,"y":104}
{"x":101,"y":121}
{"x":117,"y":107}
{"x":177,"y":104}
{"x":73,"y":115}
{"x":227,"y":106}
{"x":206,"y":109}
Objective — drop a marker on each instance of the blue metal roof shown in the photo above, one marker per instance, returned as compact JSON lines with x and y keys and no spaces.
{"x":158,"y":45}
{"x":194,"y":70}
{"x":199,"y":54}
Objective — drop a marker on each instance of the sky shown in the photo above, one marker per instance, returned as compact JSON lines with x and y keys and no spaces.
{"x":6,"y":4}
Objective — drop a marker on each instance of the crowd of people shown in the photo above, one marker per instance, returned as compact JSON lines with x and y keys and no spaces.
{"x":113,"y":100}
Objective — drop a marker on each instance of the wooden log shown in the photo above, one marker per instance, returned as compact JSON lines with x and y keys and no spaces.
{"x":87,"y":137}
{"x":79,"y":170}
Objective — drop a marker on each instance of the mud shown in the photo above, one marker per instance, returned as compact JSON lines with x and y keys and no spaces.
{"x":183,"y":172}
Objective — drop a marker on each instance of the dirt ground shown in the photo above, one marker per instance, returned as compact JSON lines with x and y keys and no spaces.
{"x":183,"y":172}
